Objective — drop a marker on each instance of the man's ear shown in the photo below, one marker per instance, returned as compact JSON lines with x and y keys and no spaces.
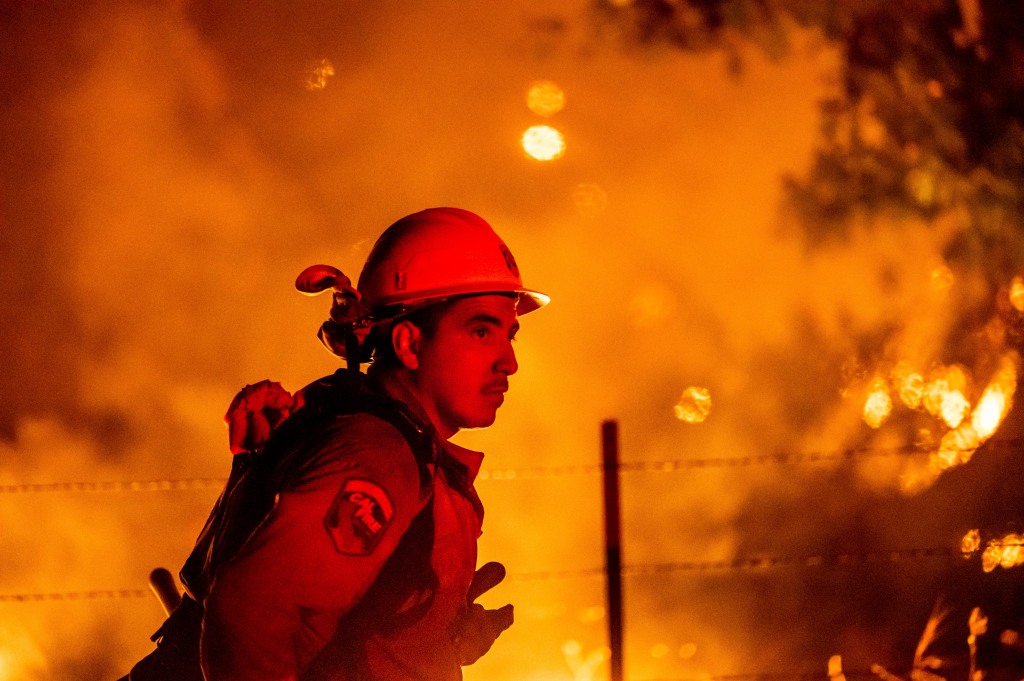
{"x":406,"y":337}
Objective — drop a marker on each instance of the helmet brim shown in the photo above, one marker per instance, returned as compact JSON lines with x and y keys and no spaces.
{"x":530,"y":300}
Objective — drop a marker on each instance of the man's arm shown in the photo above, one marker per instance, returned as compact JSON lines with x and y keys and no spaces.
{"x":273,"y":607}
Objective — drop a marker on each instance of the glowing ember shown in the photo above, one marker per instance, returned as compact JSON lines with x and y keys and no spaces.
{"x":317,"y":79}
{"x":958,"y":445}
{"x":543,"y":143}
{"x":545,"y":99}
{"x":694,"y":405}
{"x":1012,"y":554}
{"x":835,"y":668}
{"x":944,"y":396}
{"x":1007,"y":553}
{"x":990,"y":558}
{"x":995,"y":401}
{"x":1017,"y":294}
{"x":878,"y":406}
{"x":989,"y":412}
{"x":909,"y":385}
{"x":957,"y":448}
{"x":971,"y":542}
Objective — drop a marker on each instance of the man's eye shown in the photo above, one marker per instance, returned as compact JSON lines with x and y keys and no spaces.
{"x":481,"y":332}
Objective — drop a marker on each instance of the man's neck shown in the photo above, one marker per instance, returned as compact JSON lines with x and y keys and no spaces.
{"x":399,"y":384}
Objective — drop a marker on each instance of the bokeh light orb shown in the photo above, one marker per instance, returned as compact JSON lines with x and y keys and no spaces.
{"x":545,"y":98}
{"x":590,"y":199}
{"x":694,"y":405}
{"x":543,"y":143}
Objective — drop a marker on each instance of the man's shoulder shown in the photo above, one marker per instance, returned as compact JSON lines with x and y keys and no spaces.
{"x":369,"y":430}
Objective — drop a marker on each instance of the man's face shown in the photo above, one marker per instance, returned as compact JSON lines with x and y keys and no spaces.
{"x":464,"y":365}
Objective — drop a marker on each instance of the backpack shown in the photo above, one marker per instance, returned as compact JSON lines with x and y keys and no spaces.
{"x":249,"y":496}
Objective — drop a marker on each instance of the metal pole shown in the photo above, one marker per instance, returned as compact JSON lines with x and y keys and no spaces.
{"x":612,"y":543}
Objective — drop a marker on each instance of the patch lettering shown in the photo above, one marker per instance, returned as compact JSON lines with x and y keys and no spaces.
{"x":358,"y":517}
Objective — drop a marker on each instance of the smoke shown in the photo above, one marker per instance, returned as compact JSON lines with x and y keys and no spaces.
{"x":166,"y":173}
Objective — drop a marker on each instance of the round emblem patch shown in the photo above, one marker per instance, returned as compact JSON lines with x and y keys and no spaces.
{"x":358,"y":517}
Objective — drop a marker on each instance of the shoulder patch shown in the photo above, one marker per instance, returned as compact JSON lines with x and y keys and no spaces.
{"x":358,"y":517}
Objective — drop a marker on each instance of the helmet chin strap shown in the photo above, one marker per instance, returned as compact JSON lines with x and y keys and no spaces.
{"x":352,"y":351}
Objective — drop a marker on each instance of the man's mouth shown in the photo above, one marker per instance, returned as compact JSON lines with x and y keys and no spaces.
{"x":495,"y":388}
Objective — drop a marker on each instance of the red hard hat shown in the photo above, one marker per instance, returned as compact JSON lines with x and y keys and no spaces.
{"x":438,"y":253}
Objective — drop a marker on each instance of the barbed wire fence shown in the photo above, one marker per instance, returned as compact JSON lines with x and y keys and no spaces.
{"x":903,"y":555}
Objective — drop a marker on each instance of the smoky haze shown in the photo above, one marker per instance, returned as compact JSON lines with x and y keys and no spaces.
{"x":167,"y":170}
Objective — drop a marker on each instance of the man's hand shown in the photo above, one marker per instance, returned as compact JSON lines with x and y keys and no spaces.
{"x":255,"y":412}
{"x":480,"y":627}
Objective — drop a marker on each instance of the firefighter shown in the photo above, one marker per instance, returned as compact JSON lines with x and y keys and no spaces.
{"x":344,"y":544}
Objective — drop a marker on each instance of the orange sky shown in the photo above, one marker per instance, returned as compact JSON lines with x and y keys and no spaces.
{"x":166,"y":174}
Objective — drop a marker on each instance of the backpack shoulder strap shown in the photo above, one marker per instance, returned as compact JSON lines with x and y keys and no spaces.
{"x":256,"y":478}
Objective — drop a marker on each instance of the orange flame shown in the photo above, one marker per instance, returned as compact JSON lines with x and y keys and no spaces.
{"x":958,"y":445}
{"x":694,"y":405}
{"x":971,"y":542}
{"x":878,"y":406}
{"x":1006,"y":552}
{"x":909,"y":385}
{"x":1017,"y":294}
{"x":944,"y":395}
{"x":995,"y":401}
{"x":318,"y":75}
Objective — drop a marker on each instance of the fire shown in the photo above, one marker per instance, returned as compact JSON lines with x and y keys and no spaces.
{"x":995,"y":401}
{"x":878,"y":406}
{"x":1012,"y":554}
{"x":543,"y":143}
{"x":959,"y":444}
{"x":545,"y":98}
{"x":317,"y":79}
{"x":694,"y":405}
{"x":1006,"y":552}
{"x":944,"y":395}
{"x":20,"y":656}
{"x":1017,"y":294}
{"x":971,"y":542}
{"x":835,"y":668}
{"x":909,"y":385}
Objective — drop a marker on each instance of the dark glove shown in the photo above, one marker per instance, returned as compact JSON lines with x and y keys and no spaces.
{"x":480,"y":627}
{"x":255,"y":412}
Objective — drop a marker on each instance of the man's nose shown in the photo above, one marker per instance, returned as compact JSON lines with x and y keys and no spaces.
{"x":507,"y":363}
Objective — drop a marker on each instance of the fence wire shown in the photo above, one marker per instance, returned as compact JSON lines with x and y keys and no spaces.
{"x":525,"y":473}
{"x":754,"y":564}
